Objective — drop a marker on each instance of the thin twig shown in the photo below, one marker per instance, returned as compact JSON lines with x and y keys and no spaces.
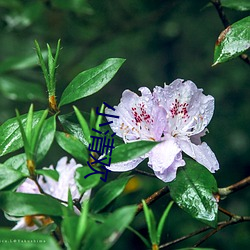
{"x":235,"y":220}
{"x":223,"y":192}
{"x":224,"y":211}
{"x":226,"y":23}
{"x":144,"y":173}
{"x":152,"y":198}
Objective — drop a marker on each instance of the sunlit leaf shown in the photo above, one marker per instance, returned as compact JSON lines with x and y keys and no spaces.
{"x":90,"y":81}
{"x":10,"y":136}
{"x":193,"y":191}
{"x":233,"y":41}
{"x":108,"y":193}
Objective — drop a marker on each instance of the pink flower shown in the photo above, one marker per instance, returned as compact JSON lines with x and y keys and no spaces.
{"x":177,"y":115}
{"x":58,"y":189}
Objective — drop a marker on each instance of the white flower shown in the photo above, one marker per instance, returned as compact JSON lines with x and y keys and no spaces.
{"x":177,"y":115}
{"x":58,"y":189}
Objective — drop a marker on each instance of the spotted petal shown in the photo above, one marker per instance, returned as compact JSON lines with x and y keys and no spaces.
{"x":189,"y":110}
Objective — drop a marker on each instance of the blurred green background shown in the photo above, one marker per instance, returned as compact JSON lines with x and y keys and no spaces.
{"x":161,"y":41}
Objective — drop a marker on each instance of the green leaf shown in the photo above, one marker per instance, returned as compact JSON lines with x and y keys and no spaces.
{"x":151,"y":223}
{"x":10,"y":136}
{"x":53,"y":174}
{"x":8,"y":176}
{"x":162,"y":222}
{"x":105,"y":235}
{"x":195,"y":248}
{"x":131,"y":150}
{"x":73,"y":146}
{"x":71,"y":125}
{"x":83,"y":123}
{"x":18,"y":162}
{"x":46,"y":137}
{"x":19,"y":90}
{"x":90,"y":81}
{"x":108,"y":193}
{"x":85,"y":184}
{"x":233,"y":41}
{"x":16,"y":240}
{"x":241,"y":5}
{"x":20,"y":204}
{"x":193,"y":191}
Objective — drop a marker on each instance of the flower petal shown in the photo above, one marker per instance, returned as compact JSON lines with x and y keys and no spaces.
{"x":189,"y":110}
{"x":138,"y":117}
{"x":201,"y":153}
{"x":29,"y":187}
{"x":126,"y":165}
{"x":165,"y":158}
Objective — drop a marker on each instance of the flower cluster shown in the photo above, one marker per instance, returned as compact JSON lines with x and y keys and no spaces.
{"x":58,"y":189}
{"x":177,"y":116}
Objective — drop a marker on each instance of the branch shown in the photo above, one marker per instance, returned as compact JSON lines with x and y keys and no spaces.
{"x":226,"y":23}
{"x":223,"y":192}
{"x":152,"y":198}
{"x":235,"y":220}
{"x":144,"y":173}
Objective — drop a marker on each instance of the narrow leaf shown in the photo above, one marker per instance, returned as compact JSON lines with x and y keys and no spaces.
{"x":90,"y":81}
{"x":10,"y":136}
{"x":162,"y":221}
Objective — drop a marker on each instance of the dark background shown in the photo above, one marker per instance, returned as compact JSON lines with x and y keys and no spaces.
{"x":161,"y":41}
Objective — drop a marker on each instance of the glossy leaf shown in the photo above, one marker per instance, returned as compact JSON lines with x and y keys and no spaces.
{"x":20,"y":204}
{"x":19,"y":90}
{"x":9,"y":175}
{"x":85,"y":184}
{"x":18,"y":162}
{"x":131,"y":150}
{"x":90,"y":81}
{"x":193,"y":191}
{"x":108,"y":193}
{"x":71,"y":125}
{"x":53,"y":174}
{"x":10,"y":136}
{"x":233,"y":41}
{"x":73,"y":146}
{"x":241,"y":5}
{"x":46,"y":137}
{"x":16,"y":240}
{"x":105,"y":235}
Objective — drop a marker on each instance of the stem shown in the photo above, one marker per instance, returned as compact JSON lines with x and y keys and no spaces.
{"x":224,"y":192}
{"x":152,"y":198}
{"x":144,"y":173}
{"x":226,"y":23}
